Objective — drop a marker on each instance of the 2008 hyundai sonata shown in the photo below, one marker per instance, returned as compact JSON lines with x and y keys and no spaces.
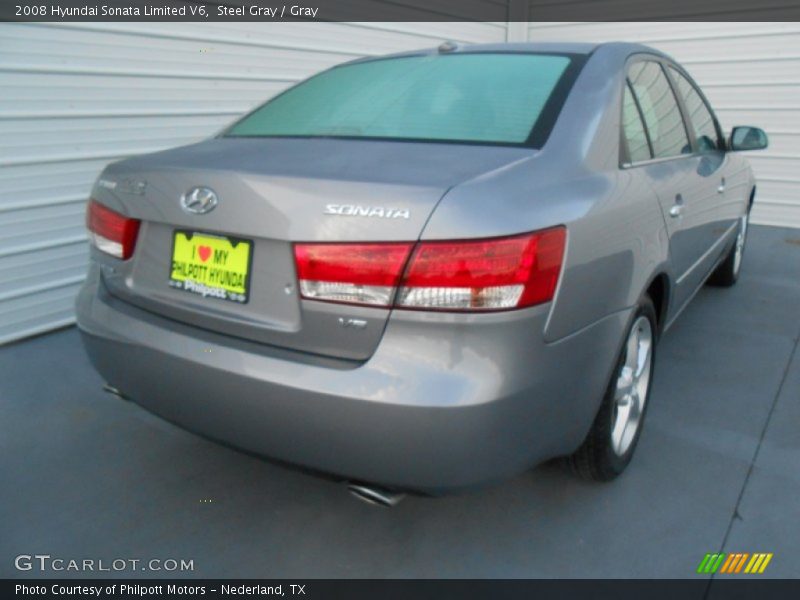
{"x":425,"y":271}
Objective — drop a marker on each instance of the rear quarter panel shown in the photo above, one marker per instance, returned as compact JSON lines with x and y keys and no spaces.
{"x":616,"y":233}
{"x":614,"y":253}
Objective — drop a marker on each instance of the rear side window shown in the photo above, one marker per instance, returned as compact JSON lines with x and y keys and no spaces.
{"x":482,"y":97}
{"x":699,"y":114}
{"x":660,"y":110}
{"x":633,"y":129}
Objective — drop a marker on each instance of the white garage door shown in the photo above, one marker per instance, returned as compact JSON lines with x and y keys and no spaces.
{"x":77,"y":96}
{"x":750,"y":73}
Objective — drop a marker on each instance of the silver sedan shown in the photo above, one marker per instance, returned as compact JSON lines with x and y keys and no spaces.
{"x":426,"y":271}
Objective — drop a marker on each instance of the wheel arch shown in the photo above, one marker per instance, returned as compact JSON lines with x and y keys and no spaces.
{"x":659,"y":289}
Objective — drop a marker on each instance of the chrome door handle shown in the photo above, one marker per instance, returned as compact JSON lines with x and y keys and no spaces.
{"x":677,"y":208}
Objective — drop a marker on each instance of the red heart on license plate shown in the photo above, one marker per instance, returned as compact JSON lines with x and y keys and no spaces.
{"x":204,"y":252}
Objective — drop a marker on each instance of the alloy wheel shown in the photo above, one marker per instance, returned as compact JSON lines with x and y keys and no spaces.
{"x":740,"y":240}
{"x":632,"y":386}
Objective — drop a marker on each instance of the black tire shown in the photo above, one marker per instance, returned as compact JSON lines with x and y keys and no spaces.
{"x":727,"y":272}
{"x":597,"y":458}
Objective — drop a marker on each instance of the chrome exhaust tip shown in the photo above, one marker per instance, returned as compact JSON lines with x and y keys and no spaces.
{"x":110,"y":389}
{"x":375,"y":496}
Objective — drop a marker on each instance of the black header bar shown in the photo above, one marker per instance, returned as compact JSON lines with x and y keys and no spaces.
{"x":400,"y":10}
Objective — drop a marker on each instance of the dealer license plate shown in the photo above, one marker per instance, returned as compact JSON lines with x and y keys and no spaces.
{"x":211,"y":266}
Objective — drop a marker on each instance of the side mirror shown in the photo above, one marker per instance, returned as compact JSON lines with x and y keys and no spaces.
{"x":748,"y":138}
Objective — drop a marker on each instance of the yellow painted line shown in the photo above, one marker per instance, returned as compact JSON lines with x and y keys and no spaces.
{"x":765,"y":563}
{"x":757,"y":564}
{"x":751,"y":564}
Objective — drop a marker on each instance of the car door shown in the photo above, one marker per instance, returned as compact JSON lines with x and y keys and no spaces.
{"x":724,"y":206}
{"x":682,"y":178}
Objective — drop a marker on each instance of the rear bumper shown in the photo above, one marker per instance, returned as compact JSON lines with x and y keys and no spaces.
{"x":446,"y":402}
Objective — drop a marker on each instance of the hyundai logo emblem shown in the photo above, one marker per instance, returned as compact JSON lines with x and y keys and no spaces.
{"x":199,"y":200}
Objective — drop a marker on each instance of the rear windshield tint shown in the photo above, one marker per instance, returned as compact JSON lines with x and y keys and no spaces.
{"x":481,"y":98}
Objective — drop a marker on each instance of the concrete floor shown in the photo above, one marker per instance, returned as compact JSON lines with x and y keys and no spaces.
{"x":718,"y":468}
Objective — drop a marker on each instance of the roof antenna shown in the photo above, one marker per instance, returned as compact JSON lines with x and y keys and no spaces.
{"x":448,"y":46}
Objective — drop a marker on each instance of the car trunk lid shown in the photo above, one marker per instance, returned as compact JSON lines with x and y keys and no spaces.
{"x":272,"y":193}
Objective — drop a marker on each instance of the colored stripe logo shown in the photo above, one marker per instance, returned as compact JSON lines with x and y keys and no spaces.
{"x":735,"y":562}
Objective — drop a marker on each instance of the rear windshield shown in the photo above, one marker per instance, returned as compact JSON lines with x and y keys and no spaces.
{"x":479,"y":98}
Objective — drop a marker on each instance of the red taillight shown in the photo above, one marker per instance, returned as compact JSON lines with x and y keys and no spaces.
{"x":492,"y":274}
{"x":111,"y":232}
{"x":352,"y":273}
{"x":473,"y":275}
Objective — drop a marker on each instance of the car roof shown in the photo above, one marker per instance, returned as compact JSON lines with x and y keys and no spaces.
{"x":525,"y":47}
{"x":618,"y":48}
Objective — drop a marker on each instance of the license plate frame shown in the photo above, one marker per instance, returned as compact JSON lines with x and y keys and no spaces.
{"x":215,"y":282}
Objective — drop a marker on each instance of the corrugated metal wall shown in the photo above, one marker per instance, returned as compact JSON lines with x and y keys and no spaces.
{"x":76,"y":96}
{"x":750,"y":73}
